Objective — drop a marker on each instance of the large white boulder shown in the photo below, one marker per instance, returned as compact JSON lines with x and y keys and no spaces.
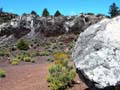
{"x":97,"y":53}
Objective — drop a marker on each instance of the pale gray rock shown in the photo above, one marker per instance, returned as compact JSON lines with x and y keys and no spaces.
{"x":31,"y":26}
{"x":97,"y":54}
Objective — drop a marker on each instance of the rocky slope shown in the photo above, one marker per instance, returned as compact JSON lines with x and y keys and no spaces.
{"x":97,"y":54}
{"x":5,"y":17}
{"x":31,"y":26}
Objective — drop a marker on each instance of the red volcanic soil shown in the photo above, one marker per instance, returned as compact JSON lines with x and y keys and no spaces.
{"x":30,"y":77}
{"x":25,"y":77}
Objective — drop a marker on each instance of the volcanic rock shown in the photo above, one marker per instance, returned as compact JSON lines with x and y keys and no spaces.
{"x":97,"y":54}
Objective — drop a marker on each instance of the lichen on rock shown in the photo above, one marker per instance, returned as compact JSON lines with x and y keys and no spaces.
{"x":97,"y":53}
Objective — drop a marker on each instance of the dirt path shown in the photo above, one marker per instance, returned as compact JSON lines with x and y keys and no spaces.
{"x":29,"y":77}
{"x":26,"y":77}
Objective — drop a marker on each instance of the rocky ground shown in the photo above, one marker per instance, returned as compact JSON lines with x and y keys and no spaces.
{"x":30,"y":77}
{"x":33,"y":76}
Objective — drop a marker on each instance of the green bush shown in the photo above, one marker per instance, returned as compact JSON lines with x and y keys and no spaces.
{"x":20,"y":56}
{"x":23,"y":55}
{"x":44,"y":53}
{"x":34,"y":54}
{"x":61,"y":75}
{"x":15,"y":62}
{"x":4,"y":52}
{"x":32,"y":61}
{"x":22,"y":45}
{"x":2,"y":73}
{"x":1,"y":53}
{"x":50,"y":60}
{"x":27,"y":59}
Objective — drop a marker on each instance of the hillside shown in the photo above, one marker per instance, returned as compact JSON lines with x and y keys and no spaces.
{"x":5,"y":17}
{"x":32,"y":26}
{"x":30,"y":44}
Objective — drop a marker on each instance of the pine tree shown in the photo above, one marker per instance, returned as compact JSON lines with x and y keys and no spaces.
{"x":1,"y":9}
{"x":114,"y":10}
{"x":57,"y":13}
{"x":45,"y":13}
{"x":33,"y":12}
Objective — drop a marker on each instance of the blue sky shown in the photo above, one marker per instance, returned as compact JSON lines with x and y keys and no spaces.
{"x":66,"y":7}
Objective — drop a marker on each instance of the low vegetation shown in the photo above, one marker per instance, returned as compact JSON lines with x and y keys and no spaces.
{"x":4,"y":52}
{"x":2,"y":73}
{"x":50,"y":60}
{"x":61,"y":74}
{"x":44,"y":53}
{"x":15,"y":62}
{"x":27,"y":59}
{"x":23,"y":56}
{"x":22,"y":45}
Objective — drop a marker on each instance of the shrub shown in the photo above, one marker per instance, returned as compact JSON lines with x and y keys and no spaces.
{"x":59,"y":57}
{"x":34,"y":54}
{"x":2,"y":73}
{"x":71,"y":45}
{"x":32,"y":61}
{"x":22,"y":55}
{"x":61,"y":73}
{"x":1,"y":53}
{"x":44,"y":53}
{"x":50,"y":60}
{"x":15,"y":62}
{"x":25,"y":56}
{"x":4,"y":53}
{"x":27,"y":59}
{"x":60,"y":77}
{"x":22,"y":45}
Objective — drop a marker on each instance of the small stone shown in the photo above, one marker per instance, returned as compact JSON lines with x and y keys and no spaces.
{"x":78,"y":82}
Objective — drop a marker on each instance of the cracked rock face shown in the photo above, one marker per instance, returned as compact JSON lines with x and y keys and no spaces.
{"x":31,"y":26}
{"x":97,"y":53}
